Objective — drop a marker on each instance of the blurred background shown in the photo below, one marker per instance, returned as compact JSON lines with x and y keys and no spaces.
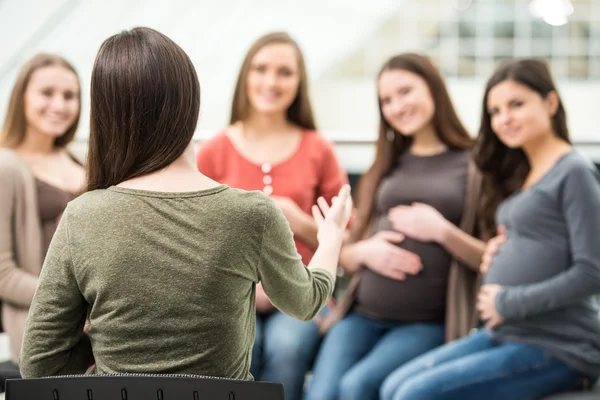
{"x":344,"y":41}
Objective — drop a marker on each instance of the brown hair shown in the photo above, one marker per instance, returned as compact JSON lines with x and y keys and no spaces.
{"x":15,"y":124}
{"x":445,"y":121}
{"x":145,"y":100}
{"x":505,"y":169}
{"x":300,"y":111}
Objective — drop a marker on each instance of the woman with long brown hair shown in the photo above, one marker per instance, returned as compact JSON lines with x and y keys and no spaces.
{"x":411,"y":251}
{"x":38,"y":177}
{"x":272,"y":145}
{"x":166,"y":259}
{"x":542,"y":333}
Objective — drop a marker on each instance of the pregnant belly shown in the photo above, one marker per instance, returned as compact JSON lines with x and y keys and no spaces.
{"x":522,"y":261}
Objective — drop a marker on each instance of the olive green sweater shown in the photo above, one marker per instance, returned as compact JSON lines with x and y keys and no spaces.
{"x":169,"y":279}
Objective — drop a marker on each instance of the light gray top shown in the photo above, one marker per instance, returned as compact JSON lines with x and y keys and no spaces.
{"x":550,"y":265}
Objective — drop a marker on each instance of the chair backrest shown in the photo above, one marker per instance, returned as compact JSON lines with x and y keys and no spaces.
{"x":140,"y":387}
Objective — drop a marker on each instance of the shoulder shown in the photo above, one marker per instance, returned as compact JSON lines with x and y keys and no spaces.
{"x":320,"y":150}
{"x":95,"y":203}
{"x":575,"y":169}
{"x":247,"y":210}
{"x":464,"y":156}
{"x":218,"y":141}
{"x":316,"y":141}
{"x":9,"y":160}
{"x":12,"y":167}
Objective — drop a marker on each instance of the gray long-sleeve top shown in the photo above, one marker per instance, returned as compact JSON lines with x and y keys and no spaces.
{"x":549,"y":268}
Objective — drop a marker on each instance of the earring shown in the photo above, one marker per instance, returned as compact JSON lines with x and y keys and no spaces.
{"x":390,"y":135}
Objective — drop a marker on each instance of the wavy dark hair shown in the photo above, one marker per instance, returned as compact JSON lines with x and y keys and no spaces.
{"x":145,"y":101}
{"x":446,"y":122}
{"x":505,"y":169}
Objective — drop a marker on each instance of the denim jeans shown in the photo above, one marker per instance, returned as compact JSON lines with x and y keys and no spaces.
{"x":476,"y":367}
{"x":283,"y":351}
{"x":360,"y":352}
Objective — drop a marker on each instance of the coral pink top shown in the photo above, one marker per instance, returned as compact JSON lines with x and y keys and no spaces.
{"x":312,"y":171}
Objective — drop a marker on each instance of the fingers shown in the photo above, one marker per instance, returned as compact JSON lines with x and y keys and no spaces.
{"x":391,"y":237}
{"x":340,"y":210}
{"x":486,"y":262}
{"x":487,"y":289}
{"x":406,"y":262}
{"x":393,"y":274}
{"x":484,"y":268}
{"x":322,"y":203}
{"x":344,"y":193}
{"x":317,"y":216}
{"x":501,"y":230}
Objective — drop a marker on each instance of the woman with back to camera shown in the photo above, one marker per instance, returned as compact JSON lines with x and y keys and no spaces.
{"x":542,"y":332}
{"x":166,"y":258}
{"x":272,"y":145}
{"x":38,"y":177}
{"x":412,"y":253}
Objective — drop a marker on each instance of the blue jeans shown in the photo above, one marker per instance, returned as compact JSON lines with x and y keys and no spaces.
{"x":360,"y":352}
{"x":283,"y":351}
{"x":475,"y":367}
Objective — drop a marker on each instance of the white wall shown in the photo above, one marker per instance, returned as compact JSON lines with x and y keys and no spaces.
{"x":351,"y":107}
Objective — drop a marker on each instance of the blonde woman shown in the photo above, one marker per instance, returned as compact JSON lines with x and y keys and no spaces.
{"x":38,"y":178}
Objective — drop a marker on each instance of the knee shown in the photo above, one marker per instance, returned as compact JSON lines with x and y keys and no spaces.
{"x":321,"y":389}
{"x":357,"y":386}
{"x":411,"y":389}
{"x":289,"y":349}
{"x":388,"y":388}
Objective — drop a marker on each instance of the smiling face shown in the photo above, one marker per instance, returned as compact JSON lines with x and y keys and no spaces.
{"x":273,"y":79}
{"x":519,"y":115}
{"x":405,"y":100}
{"x":52,"y":100}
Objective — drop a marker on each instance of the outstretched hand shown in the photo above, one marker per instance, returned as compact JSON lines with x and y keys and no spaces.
{"x":333,"y":220}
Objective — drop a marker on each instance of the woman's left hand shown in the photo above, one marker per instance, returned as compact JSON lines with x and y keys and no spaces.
{"x":420,"y":222}
{"x":486,"y":305}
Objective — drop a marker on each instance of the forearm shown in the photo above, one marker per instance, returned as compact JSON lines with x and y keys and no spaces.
{"x":37,"y":362}
{"x":463,"y":246}
{"x":327,"y":256}
{"x":521,"y":302}
{"x":16,"y":285}
{"x":306,"y":230}
{"x":350,"y":259}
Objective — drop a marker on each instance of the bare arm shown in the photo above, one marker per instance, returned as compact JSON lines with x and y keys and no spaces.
{"x":306,"y":230}
{"x":463,"y":246}
{"x":424,"y":223}
{"x":350,"y":259}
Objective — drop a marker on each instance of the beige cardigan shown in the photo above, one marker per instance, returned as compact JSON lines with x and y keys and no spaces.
{"x":20,"y":245}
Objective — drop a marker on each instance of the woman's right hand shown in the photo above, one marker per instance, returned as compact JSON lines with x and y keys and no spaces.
{"x":491,"y":249}
{"x":380,"y":254}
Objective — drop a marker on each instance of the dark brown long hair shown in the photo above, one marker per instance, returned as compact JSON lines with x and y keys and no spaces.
{"x":448,"y":126}
{"x":145,"y":100}
{"x":505,"y":169}
{"x":15,"y":123}
{"x":300,"y":111}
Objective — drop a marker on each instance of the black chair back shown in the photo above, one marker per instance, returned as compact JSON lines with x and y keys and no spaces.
{"x":140,"y":387}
